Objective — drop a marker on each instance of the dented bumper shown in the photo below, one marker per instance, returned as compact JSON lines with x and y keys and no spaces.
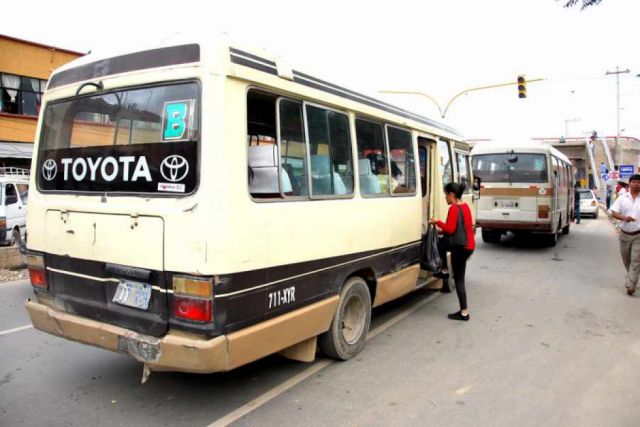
{"x":170,"y":353}
{"x":186,"y":353}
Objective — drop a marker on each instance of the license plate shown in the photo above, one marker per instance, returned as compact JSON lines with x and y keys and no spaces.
{"x":506,"y":204}
{"x":133,"y":294}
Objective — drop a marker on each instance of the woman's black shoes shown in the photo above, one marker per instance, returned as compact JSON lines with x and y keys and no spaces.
{"x":458,"y":316}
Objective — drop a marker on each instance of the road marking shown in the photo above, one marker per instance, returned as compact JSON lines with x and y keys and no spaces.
{"x":10,"y":331}
{"x":313,"y":369}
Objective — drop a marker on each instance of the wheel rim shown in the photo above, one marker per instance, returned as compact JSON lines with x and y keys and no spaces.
{"x":353,"y":319}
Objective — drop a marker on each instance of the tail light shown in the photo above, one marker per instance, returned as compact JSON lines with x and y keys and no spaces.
{"x":193,"y":298}
{"x":543,"y":211}
{"x":194,"y":309}
{"x":593,"y":203}
{"x":37,"y":272}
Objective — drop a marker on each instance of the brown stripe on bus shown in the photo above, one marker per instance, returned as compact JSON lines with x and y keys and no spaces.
{"x":516,"y":192}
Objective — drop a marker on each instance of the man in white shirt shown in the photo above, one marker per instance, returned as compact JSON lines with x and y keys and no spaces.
{"x":626,"y":208}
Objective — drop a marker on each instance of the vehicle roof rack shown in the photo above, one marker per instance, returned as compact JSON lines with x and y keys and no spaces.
{"x":11,"y":171}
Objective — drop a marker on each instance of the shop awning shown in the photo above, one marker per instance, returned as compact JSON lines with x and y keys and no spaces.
{"x":16,"y":150}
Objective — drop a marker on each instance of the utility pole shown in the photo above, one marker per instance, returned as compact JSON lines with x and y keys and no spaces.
{"x":617,"y":72}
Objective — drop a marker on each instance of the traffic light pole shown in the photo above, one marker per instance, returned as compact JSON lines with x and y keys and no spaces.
{"x":443,"y":113}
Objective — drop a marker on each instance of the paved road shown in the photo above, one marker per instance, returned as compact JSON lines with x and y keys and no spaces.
{"x":551,"y":341}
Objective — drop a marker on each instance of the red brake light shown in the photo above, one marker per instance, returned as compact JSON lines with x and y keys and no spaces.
{"x":38,"y":278}
{"x":195,"y":309}
{"x":593,"y":203}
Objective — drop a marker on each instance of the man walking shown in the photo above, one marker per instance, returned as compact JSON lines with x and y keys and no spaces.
{"x":576,"y":203}
{"x":626,"y":208}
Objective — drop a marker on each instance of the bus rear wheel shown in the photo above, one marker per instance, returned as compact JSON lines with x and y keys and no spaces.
{"x":491,"y":236}
{"x":348,"y":331}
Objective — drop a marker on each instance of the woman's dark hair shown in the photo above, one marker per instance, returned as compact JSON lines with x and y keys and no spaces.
{"x":455,"y":188}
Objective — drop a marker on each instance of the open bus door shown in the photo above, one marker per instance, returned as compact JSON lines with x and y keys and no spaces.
{"x":426,"y":149}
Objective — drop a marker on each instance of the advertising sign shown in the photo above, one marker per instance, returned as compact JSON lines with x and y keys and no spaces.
{"x":626,"y":171}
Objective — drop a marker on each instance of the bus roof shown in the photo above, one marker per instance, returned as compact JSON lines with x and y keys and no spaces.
{"x":219,"y":56}
{"x":517,"y":146}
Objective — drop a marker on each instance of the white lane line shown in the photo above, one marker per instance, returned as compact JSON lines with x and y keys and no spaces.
{"x":10,"y":331}
{"x":313,"y":369}
{"x":271,"y":394}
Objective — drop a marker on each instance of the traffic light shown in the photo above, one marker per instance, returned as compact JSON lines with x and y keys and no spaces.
{"x":522,"y":87}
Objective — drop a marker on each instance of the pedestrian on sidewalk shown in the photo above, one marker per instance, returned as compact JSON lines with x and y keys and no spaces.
{"x":626,"y":208}
{"x":460,"y":238}
{"x":576,"y":203}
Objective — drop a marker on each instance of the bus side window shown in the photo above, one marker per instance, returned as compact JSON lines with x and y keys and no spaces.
{"x":330,"y":149}
{"x":23,"y":191}
{"x":446,"y":166}
{"x":463,"y":171}
{"x":372,"y":158}
{"x":263,"y":153}
{"x":292,"y":144}
{"x":403,"y":176}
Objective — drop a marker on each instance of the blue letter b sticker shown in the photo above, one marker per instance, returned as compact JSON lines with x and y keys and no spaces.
{"x":175,"y":115}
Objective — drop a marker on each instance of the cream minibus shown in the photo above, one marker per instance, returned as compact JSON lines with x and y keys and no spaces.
{"x":526,"y":187}
{"x":201,"y":206}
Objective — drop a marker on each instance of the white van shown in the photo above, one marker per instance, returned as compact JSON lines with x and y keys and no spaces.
{"x":13,"y":209}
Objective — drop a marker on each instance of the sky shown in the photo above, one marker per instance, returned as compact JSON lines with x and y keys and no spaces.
{"x":437,"y":47}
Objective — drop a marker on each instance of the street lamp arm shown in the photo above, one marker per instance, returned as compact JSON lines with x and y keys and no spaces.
{"x":413,"y":92}
{"x":443,"y":113}
{"x":473,"y":89}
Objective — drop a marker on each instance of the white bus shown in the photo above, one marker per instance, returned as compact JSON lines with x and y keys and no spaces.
{"x":200,"y":206}
{"x":526,"y":187}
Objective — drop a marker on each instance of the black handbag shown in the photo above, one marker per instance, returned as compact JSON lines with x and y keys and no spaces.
{"x":430,"y":257}
{"x":459,"y":236}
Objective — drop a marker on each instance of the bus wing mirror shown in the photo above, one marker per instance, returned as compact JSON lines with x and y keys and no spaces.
{"x":476,"y":187}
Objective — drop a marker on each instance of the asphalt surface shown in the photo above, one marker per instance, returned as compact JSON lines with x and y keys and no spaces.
{"x":552,"y":341}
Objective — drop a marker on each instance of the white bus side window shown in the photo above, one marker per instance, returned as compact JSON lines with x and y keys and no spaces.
{"x":372,"y":158}
{"x":23,"y":191}
{"x":446,"y":166}
{"x":403,"y":177}
{"x":293,"y":148}
{"x":263,"y":149}
{"x":10,"y":195}
{"x":464,"y":171}
{"x":330,"y":151}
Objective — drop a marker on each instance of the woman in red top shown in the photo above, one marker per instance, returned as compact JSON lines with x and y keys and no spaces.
{"x":459,"y":254}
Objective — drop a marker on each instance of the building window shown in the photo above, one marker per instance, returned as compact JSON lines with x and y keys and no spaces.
{"x":20,"y":94}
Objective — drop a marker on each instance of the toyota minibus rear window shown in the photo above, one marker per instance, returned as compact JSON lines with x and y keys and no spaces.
{"x":142,"y":140}
{"x":511,"y":167}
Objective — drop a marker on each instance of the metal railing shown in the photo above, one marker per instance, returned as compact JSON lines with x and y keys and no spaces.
{"x":14,"y":171}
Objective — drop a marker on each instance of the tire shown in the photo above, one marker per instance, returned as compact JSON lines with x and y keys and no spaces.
{"x":15,"y":237}
{"x":350,"y":325}
{"x":552,"y":239}
{"x":490,"y":236}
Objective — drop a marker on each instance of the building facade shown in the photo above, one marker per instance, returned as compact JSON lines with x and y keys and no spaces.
{"x":621,"y":151}
{"x":25,"y":68}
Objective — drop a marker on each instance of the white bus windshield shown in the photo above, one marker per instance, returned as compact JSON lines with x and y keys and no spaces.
{"x":142,"y":140}
{"x":511,"y":167}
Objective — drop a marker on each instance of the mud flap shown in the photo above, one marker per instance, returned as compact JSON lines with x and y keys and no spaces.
{"x":304,"y":351}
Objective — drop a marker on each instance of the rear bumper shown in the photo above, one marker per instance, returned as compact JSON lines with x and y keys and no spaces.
{"x":187,"y":353}
{"x":588,"y":209}
{"x":541,"y":227}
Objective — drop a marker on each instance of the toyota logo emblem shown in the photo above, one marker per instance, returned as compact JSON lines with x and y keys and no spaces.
{"x":49,"y":169}
{"x":174,"y":168}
